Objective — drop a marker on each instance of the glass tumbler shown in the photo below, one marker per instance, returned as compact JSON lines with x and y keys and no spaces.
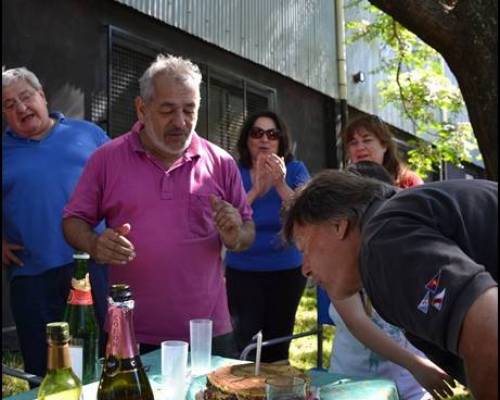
{"x":285,"y":388}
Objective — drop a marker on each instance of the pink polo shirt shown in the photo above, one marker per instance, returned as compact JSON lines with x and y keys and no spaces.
{"x":177,"y":274}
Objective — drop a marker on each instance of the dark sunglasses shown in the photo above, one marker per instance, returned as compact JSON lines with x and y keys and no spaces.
{"x":272,"y":134}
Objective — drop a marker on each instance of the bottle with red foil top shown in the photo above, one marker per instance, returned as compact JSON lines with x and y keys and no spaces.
{"x":123,"y":376}
{"x":83,"y":327}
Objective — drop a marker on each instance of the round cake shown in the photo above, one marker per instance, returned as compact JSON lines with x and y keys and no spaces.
{"x":238,"y":382}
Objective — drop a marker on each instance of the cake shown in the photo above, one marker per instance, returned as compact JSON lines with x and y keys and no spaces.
{"x":238,"y":382}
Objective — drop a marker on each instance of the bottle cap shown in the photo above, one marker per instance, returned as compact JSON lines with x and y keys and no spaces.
{"x":121,"y":292}
{"x":58,"y":332}
{"x":81,"y":256}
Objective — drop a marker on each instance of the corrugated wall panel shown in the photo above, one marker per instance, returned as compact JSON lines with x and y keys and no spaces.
{"x":293,"y":37}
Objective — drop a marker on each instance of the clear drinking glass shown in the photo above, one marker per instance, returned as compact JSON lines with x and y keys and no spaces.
{"x":200,"y":346}
{"x":174,"y":354}
{"x":285,"y":388}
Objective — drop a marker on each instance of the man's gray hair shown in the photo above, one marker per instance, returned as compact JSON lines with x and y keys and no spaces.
{"x":12,"y":75}
{"x":178,"y":68}
{"x":330,"y":195}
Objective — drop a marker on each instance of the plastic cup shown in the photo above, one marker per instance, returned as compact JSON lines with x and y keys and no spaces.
{"x":285,"y":387}
{"x":200,"y":332}
{"x":174,"y":368}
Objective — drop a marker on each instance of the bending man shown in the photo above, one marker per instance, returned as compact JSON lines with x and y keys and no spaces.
{"x":426,"y":256}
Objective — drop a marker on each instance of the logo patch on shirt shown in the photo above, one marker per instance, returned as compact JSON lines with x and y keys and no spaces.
{"x":430,"y":297}
{"x":433,"y":284}
{"x":437,"y":301}
{"x":424,"y":304}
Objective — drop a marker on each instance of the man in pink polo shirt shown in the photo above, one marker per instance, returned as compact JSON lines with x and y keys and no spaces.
{"x":171,"y":199}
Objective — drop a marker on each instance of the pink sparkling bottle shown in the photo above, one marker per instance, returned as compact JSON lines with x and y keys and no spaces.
{"x":123,"y":376}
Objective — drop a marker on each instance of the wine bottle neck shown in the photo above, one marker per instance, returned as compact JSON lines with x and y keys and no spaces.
{"x":121,"y":340}
{"x":80,"y":292}
{"x":81,"y":269}
{"x":58,"y":356}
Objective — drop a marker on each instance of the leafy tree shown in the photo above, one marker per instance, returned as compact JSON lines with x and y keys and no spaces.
{"x":419,"y":86}
{"x":465,"y":33}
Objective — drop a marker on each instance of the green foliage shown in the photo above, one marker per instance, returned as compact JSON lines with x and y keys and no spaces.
{"x":453,"y":144}
{"x":417,"y":84}
{"x":303,"y":350}
{"x":11,"y":385}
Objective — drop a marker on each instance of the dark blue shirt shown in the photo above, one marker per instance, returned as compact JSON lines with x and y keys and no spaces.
{"x":268,"y":252}
{"x":427,"y":253}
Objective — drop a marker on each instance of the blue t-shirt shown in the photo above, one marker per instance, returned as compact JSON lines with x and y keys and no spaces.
{"x":268,"y":252}
{"x":38,"y":178}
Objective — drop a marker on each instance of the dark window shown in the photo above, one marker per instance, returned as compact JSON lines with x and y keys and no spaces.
{"x":230,"y":101}
{"x":127,"y":66}
{"x":226,"y":112}
{"x":467,"y":171}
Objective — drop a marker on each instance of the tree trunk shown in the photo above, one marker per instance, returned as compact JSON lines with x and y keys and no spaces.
{"x":465,"y":33}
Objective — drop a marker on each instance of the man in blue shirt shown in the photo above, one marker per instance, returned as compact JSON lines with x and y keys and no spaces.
{"x":43,"y":157}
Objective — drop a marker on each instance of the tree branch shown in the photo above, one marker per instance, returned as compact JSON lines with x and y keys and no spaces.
{"x":401,"y":55}
{"x":435,"y":22}
{"x":465,"y":32}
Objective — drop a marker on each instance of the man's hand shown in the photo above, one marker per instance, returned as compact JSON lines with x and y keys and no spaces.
{"x":8,"y":256}
{"x":228,"y":222}
{"x":112,"y":247}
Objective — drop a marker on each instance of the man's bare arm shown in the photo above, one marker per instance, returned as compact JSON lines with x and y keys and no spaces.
{"x":478,"y":346}
{"x":79,"y":234}
{"x":247,"y":236}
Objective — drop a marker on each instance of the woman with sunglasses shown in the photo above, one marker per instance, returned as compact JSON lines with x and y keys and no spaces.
{"x":265,"y":283}
{"x":368,"y":138}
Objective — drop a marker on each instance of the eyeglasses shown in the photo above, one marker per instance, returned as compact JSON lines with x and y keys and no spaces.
{"x":25,"y":98}
{"x":272,"y":134}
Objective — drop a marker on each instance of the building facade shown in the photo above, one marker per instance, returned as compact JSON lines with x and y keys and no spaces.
{"x":254,"y":55}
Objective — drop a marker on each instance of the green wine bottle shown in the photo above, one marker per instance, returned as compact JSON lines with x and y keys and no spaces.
{"x":123,"y":376}
{"x":60,"y":383}
{"x":83,"y":328}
